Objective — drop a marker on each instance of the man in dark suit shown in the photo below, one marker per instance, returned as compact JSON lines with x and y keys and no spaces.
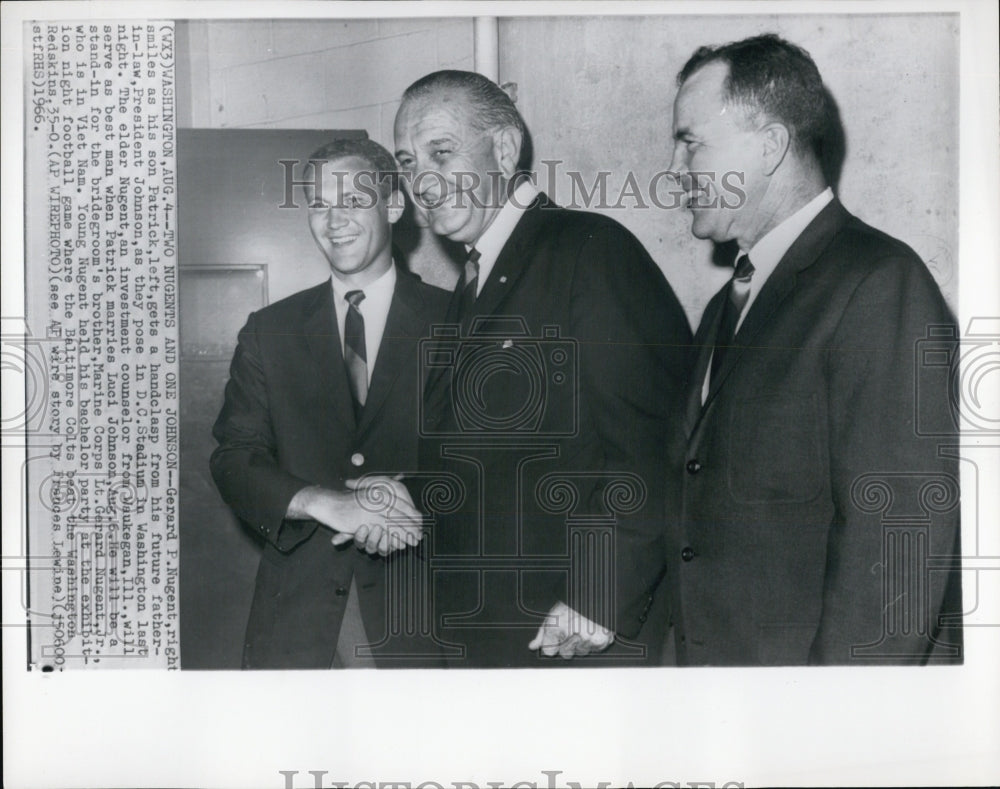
{"x":319,"y":410}
{"x":810,"y":521}
{"x":550,"y":401}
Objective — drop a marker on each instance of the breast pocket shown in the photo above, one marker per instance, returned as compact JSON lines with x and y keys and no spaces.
{"x":775,"y":449}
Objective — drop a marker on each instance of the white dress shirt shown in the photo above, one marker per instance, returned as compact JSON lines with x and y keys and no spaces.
{"x":492,"y":241}
{"x":767,"y":253}
{"x":374,"y":309}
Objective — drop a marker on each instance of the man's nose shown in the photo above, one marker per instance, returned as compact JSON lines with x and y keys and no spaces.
{"x":678,"y":166}
{"x":336,"y":217}
{"x":427,"y":187}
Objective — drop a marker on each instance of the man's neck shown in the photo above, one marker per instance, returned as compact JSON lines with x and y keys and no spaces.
{"x":786,"y":194}
{"x":362,"y":279}
{"x":506,"y":188}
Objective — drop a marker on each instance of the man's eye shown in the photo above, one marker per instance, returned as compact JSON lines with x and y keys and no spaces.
{"x":353,"y":201}
{"x":441,"y":153}
{"x":319,"y":205}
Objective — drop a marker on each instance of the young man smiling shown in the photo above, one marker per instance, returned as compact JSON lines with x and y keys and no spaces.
{"x":322,"y":391}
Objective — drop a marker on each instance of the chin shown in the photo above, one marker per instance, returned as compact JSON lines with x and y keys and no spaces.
{"x":704,"y":231}
{"x":700,"y":233}
{"x":455,"y":230}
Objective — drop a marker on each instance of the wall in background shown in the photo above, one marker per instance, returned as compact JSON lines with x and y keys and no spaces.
{"x":316,"y":74}
{"x":597,"y":93}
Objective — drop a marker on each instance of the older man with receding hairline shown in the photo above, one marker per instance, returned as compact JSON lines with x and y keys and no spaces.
{"x":569,"y":277}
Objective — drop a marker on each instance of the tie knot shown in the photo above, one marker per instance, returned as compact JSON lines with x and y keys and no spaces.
{"x":471,"y":268}
{"x":354,"y":297}
{"x":744,"y":269}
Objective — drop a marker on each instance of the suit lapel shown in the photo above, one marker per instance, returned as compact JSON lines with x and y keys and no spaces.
{"x":507,"y":270}
{"x":704,"y":341}
{"x":513,"y":259}
{"x":323,"y":339}
{"x":435,"y":374}
{"x":402,"y":329}
{"x":803,"y":252}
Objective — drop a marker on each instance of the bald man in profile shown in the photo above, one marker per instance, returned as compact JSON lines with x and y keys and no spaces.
{"x":801,"y":449}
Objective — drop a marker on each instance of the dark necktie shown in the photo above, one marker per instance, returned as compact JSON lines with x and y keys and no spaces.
{"x":470,"y":284}
{"x":355,"y":354}
{"x":739,"y":293}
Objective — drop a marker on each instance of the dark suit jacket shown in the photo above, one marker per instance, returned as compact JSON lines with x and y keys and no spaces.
{"x":288,"y":422}
{"x":552,"y":409}
{"x":807,"y":508}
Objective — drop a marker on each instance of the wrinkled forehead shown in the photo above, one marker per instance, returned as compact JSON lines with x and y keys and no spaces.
{"x":440,"y":111}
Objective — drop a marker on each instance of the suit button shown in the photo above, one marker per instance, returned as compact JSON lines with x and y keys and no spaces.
{"x":687,"y":554}
{"x":693,"y":466}
{"x":357,"y":459}
{"x":642,"y":618}
{"x":341,"y":591}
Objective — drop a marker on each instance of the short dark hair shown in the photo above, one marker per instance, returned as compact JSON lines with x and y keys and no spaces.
{"x":490,"y":107}
{"x":775,"y":78}
{"x":382,"y":163}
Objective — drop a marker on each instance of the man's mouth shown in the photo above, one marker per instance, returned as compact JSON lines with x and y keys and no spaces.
{"x":435,"y":202}
{"x":343,"y":241}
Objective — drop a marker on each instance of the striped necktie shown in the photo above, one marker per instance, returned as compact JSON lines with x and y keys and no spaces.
{"x":739,"y":294}
{"x":355,"y":354}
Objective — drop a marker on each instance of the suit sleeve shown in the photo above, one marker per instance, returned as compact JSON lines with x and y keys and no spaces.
{"x":634,"y":348}
{"x":245,"y":464}
{"x":881,"y":469}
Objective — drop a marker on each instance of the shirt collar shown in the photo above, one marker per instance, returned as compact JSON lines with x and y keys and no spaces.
{"x":492,"y":241}
{"x":768,"y":252}
{"x":380,"y":289}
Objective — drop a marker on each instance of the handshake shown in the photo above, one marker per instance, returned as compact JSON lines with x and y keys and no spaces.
{"x":375,"y":512}
{"x":378,"y":514}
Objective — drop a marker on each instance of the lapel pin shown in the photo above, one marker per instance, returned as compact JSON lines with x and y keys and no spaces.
{"x":503,"y":279}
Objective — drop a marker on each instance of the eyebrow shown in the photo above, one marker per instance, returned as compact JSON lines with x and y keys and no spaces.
{"x":429,"y":144}
{"x":682,"y":133}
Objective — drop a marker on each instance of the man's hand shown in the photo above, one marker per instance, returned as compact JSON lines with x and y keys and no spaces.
{"x":570,"y":634}
{"x":401,"y":524}
{"x":376,"y":512}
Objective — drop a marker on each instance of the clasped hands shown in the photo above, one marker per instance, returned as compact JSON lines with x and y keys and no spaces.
{"x":376,"y":512}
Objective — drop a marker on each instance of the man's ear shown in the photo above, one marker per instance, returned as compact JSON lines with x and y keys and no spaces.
{"x":776,"y":141}
{"x":394,"y":206}
{"x":507,"y":150}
